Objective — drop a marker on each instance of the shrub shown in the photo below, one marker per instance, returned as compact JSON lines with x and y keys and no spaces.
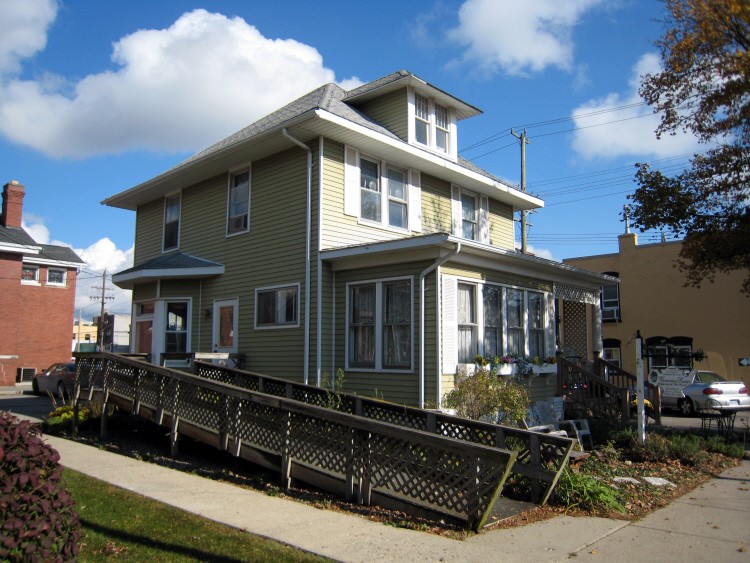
{"x":577,"y":490}
{"x":39,"y":522}
{"x":485,"y":395}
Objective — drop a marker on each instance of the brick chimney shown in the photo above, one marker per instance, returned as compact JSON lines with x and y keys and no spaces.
{"x":13,"y":193}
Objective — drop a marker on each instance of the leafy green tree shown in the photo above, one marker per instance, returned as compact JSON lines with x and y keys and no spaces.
{"x":704,"y":89}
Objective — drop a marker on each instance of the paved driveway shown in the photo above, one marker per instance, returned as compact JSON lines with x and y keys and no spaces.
{"x":27,"y":405}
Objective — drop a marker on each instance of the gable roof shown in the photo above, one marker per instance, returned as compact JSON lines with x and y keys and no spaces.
{"x":17,"y":241}
{"x":323,"y":112}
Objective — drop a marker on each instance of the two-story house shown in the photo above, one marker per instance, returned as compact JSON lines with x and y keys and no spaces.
{"x":37,"y":295}
{"x":344,"y":231}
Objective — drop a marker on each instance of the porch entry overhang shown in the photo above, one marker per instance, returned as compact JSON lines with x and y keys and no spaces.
{"x":176,"y":266}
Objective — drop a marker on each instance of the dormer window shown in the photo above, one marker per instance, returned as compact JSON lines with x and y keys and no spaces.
{"x":433,"y":125}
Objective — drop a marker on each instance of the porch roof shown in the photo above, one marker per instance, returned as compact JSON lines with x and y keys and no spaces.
{"x":170,"y":266}
{"x":471,"y":253}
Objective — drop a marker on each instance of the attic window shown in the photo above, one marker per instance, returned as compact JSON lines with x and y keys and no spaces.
{"x":433,"y":125}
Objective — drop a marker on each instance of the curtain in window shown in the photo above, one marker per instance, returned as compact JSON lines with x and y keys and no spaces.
{"x":469,"y":216}
{"x":397,"y":325}
{"x":362,"y":325}
{"x":467,"y":341}
{"x":514,"y":310}
{"x":370,"y":190}
{"x":493,"y":321}
{"x":536,"y":324}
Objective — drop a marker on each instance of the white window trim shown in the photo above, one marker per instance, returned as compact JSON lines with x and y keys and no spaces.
{"x":352,"y":194}
{"x":64,"y":281}
{"x":159,"y":331}
{"x":270,"y":288}
{"x":483,"y":214}
{"x":379,"y":326}
{"x":35,"y":281}
{"x":450,"y":320}
{"x":164,"y":223}
{"x":230,"y":181}
{"x":452,"y":150}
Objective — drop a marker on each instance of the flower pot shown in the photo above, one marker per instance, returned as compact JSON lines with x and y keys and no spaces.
{"x":544,"y":368}
{"x":505,"y":369}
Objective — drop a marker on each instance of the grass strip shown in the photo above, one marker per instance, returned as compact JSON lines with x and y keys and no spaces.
{"x":118,"y":524}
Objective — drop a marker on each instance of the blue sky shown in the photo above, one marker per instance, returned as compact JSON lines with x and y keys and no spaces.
{"x":96,"y":97}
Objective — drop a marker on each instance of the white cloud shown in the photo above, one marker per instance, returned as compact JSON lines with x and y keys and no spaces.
{"x":540,"y":252}
{"x":519,"y":37}
{"x":174,"y":89}
{"x":24,"y":30}
{"x":633,"y":130}
{"x":98,"y":257}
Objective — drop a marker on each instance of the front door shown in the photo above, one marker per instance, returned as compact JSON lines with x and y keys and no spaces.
{"x":225,"y":326}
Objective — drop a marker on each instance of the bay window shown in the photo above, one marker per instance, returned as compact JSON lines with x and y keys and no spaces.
{"x":493,"y":320}
{"x":467,"y":323}
{"x":515,"y":325}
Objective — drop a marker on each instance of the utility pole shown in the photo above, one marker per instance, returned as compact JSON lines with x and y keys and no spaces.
{"x":524,"y":141}
{"x":103,"y":299}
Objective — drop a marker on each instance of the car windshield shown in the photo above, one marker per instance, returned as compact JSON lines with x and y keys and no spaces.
{"x":709,"y":377}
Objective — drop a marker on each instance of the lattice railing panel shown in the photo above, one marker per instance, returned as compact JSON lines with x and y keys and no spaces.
{"x":261,"y":426}
{"x":199,"y":406}
{"x":320,"y":443}
{"x":466,"y":433}
{"x":394,"y":414}
{"x":431,"y":476}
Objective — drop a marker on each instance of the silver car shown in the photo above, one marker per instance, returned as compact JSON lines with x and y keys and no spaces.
{"x":707,"y":385}
{"x":57,"y":379}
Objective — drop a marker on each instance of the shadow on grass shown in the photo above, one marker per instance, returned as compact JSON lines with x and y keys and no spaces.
{"x":150,"y":543}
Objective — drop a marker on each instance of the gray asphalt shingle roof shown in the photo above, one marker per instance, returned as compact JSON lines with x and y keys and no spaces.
{"x":176,"y":261}
{"x":15,"y":235}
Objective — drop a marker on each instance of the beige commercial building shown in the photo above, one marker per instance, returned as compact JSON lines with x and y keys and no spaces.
{"x":675,"y":321}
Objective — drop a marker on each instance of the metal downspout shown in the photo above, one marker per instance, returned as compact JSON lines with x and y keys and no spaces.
{"x":299,"y":143}
{"x":439,"y":262}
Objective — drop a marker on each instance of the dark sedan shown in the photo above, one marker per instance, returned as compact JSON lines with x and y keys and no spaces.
{"x":57,"y":379}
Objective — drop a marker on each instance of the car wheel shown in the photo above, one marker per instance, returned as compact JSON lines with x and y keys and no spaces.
{"x":35,"y":387}
{"x":61,"y":392}
{"x":686,"y":407}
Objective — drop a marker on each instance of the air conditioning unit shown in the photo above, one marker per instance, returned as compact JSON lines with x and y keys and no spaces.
{"x":610,"y":314}
{"x":25,"y":374}
{"x":237,"y":223}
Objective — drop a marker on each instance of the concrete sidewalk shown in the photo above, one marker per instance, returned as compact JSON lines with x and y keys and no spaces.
{"x":711,"y":523}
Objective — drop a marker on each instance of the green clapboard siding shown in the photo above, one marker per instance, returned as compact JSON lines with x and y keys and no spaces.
{"x":390,"y":111}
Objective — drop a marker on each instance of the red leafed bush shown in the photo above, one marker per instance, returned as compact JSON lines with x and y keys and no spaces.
{"x":38,"y":521}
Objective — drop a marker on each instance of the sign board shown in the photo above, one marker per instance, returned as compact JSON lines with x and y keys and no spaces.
{"x":671,"y":380}
{"x":744,"y":362}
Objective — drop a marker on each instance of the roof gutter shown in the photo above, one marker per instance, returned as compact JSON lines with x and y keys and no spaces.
{"x":434,"y":266}
{"x":302,"y":145}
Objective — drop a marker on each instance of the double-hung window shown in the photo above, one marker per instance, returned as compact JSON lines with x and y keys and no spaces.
{"x":238,"y":202}
{"x":611,"y":300}
{"x":493,"y":320}
{"x":370,"y":195}
{"x":469,"y":214}
{"x":467,"y":323}
{"x":379,"y":316}
{"x":432,"y":125}
{"x":535,"y":314}
{"x":277,"y":307}
{"x":514,"y":314}
{"x":381,"y":194}
{"x":171,"y":222}
{"x":176,"y":330}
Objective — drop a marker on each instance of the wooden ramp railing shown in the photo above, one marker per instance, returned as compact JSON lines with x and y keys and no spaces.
{"x":624,"y":380}
{"x":587,"y":392}
{"x":455,"y":473}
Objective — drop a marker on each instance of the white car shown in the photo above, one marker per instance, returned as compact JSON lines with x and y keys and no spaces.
{"x":705,"y":385}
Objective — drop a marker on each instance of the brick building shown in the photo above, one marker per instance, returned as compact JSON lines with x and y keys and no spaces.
{"x":37,"y":295}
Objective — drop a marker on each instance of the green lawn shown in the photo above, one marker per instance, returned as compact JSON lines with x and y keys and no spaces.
{"x":124,"y":526}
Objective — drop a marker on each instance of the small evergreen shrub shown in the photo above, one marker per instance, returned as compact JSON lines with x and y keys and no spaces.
{"x":38,"y":521}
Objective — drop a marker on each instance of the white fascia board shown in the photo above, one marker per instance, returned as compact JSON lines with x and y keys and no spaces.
{"x":435,"y":164}
{"x":13,"y":248}
{"x":54,"y":263}
{"x":168,"y":273}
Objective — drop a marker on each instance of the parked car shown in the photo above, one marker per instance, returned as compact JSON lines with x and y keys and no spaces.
{"x":57,"y":379}
{"x":704,"y":385}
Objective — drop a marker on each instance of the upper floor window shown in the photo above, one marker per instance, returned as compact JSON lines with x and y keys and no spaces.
{"x":378,"y":192}
{"x":29,"y":274}
{"x":238,"y":203}
{"x":611,"y":300}
{"x":171,"y":222}
{"x":470,"y":215}
{"x":432,"y":125}
{"x":277,"y":307}
{"x":55,"y":277}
